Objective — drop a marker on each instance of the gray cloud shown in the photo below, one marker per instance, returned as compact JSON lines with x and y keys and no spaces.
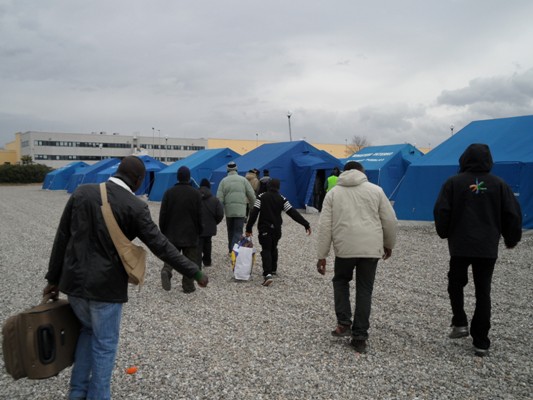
{"x":394,"y":71}
{"x":515,"y":90}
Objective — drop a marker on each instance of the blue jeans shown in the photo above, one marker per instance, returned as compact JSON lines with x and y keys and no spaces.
{"x":365,"y":273}
{"x":235,"y":226}
{"x":96,"y":349}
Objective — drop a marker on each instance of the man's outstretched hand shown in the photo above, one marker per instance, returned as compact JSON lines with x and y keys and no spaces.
{"x":203,"y":280}
{"x":321,"y":266}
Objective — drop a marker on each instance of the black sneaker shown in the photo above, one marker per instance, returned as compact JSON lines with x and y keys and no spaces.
{"x":268,"y":280}
{"x":359,"y":345}
{"x":481,"y":352}
{"x":458,"y":332}
{"x":165,"y":280}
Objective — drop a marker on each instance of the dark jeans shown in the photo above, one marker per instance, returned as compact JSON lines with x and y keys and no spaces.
{"x":269,"y":251}
{"x":482,"y":270}
{"x":192,"y":254}
{"x":235,"y":226}
{"x":365,"y":273}
{"x":205,"y":247}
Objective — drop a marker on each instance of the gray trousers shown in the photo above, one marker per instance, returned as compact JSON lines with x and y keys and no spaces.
{"x":192,"y":253}
{"x":365,"y":273}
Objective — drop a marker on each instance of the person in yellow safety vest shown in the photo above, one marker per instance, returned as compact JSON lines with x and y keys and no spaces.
{"x":332,"y":179}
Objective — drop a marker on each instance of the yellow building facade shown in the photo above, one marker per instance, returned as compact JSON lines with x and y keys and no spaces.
{"x":244,"y":146}
{"x":11,"y":153}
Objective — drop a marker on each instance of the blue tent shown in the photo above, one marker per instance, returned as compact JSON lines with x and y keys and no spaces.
{"x":88,"y":175}
{"x":511,"y":144}
{"x":58,"y":178}
{"x":202,"y":163}
{"x":301,"y":168}
{"x":152,"y":167}
{"x":386,"y":165}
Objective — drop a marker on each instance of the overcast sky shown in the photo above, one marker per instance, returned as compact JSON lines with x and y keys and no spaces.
{"x":393,"y":71}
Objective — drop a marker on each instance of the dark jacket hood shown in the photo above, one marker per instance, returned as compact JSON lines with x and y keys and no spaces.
{"x":205,"y":192}
{"x":476,"y":158}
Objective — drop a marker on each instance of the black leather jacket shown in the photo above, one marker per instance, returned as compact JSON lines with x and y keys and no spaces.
{"x":84,"y":261}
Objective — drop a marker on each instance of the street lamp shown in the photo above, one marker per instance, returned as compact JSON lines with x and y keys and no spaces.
{"x":289,"y":117}
{"x":159,"y":145}
{"x":451,"y":128}
{"x":256,"y":140}
{"x":166,"y":148}
{"x":153,"y":142}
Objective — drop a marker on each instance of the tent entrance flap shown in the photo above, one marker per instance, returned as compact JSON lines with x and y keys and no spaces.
{"x":309,"y":191}
{"x":315,"y":193}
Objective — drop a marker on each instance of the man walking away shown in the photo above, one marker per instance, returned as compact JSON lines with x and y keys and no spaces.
{"x":212,"y":215}
{"x":359,"y":220}
{"x":268,"y":206}
{"x":85,"y":265}
{"x":180,"y":220}
{"x":263,"y":182}
{"x":235,"y":192}
{"x":473,"y":210}
{"x":332,"y":179}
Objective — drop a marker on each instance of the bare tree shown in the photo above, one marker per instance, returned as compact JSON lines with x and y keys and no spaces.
{"x":357,"y":143}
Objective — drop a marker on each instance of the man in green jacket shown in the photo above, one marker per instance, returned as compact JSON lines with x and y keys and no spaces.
{"x":235,"y":192}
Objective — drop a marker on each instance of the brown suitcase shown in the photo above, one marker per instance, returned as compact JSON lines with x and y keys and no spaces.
{"x":40,"y":342}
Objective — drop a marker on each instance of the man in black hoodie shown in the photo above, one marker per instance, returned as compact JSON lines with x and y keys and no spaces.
{"x":474,"y":208}
{"x":212,"y":215}
{"x":268,"y":206}
{"x":180,"y":221}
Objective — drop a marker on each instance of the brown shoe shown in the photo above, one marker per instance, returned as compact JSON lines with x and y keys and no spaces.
{"x":341,"y":330}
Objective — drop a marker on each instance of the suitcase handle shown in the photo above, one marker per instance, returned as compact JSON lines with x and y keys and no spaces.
{"x":47,"y":297}
{"x":46,"y":344}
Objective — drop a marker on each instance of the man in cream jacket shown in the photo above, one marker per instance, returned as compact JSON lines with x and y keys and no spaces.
{"x":359,"y":220}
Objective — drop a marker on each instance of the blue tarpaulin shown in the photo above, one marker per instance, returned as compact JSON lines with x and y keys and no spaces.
{"x":385,"y":166}
{"x":201,"y":164}
{"x":58,"y":178}
{"x":298,"y":165}
{"x":511,"y":143}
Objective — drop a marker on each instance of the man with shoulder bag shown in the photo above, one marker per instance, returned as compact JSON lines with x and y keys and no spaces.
{"x":86,"y":266}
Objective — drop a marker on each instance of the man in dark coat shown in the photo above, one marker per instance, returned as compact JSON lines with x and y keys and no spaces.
{"x":212,"y":215}
{"x":85,"y":265}
{"x":473,"y":210}
{"x":180,"y":221}
{"x":269,"y":206}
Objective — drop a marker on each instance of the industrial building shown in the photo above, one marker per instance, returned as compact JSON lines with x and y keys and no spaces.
{"x":58,"y":149}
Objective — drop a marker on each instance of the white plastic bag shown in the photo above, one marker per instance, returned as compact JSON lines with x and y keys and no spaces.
{"x":243,"y":258}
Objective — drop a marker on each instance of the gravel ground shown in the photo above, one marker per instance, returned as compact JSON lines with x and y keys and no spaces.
{"x":239,"y":340}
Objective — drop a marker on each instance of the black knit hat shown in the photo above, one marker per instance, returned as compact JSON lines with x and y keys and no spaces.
{"x":205,"y":183}
{"x":184,"y":174}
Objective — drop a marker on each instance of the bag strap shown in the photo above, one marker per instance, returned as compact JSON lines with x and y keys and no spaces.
{"x":117,"y":236}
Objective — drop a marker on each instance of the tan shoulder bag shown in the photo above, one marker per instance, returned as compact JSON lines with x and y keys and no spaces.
{"x":133,"y":257}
